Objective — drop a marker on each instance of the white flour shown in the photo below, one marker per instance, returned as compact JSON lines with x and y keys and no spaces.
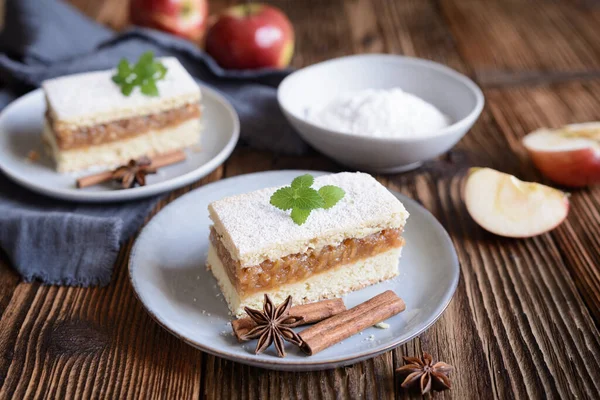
{"x":381,"y":113}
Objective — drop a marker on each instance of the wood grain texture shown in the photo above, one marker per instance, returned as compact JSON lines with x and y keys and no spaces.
{"x":521,"y":110}
{"x":513,"y":41}
{"x":525,"y":317}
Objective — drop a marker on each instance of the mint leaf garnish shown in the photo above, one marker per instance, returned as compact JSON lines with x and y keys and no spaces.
{"x":303,"y":181}
{"x":331,"y":195}
{"x":127,"y":88}
{"x":299,"y":215}
{"x":283,"y":198}
{"x":123,"y":69}
{"x":149,"y":88}
{"x":144,"y":74}
{"x":302,"y":199}
{"x":308,"y":199}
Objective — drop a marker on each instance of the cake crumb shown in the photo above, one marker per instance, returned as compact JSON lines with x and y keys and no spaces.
{"x":370,"y":338}
{"x":33,"y":156}
{"x":382,"y":325}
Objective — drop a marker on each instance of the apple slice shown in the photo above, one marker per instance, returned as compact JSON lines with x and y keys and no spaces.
{"x":507,"y":206}
{"x":569,"y":156}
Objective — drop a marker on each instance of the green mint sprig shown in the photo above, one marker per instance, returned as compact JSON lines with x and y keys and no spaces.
{"x":302,"y":199}
{"x":144,"y":74}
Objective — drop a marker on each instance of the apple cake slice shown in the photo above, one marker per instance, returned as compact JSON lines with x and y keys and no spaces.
{"x":256,"y":248}
{"x":90,"y":123}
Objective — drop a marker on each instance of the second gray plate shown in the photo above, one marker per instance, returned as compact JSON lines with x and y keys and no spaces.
{"x":21,"y":129}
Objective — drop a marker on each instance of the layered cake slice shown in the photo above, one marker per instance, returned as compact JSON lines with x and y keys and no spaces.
{"x":91,"y":123}
{"x":256,"y":248}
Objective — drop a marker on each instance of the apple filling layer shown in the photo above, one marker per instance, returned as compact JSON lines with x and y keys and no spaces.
{"x":78,"y":137}
{"x":297,"y":267}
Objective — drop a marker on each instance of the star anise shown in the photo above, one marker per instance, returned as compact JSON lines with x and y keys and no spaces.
{"x":273,"y":325}
{"x":133,"y":172}
{"x":429,"y":375}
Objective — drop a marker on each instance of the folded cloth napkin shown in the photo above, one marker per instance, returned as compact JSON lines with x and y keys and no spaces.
{"x":72,"y":244}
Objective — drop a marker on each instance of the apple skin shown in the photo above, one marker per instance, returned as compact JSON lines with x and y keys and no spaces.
{"x":251,"y":36}
{"x":572,"y":168}
{"x":184,"y":18}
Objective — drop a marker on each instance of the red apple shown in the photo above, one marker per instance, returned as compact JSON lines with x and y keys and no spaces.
{"x":250,"y":36}
{"x":569,"y":156}
{"x":506,"y":206}
{"x":185,"y":18}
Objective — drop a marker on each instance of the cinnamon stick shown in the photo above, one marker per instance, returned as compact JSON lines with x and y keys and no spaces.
{"x":95,"y":179}
{"x":161,"y":160}
{"x":312,"y":312}
{"x":345,"y":324}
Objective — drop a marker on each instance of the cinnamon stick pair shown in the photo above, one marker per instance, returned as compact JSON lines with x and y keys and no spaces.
{"x":336,"y":322}
{"x":311,"y":313}
{"x":161,"y":160}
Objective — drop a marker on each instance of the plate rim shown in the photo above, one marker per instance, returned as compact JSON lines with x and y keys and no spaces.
{"x":114,"y":196}
{"x":281,"y":364}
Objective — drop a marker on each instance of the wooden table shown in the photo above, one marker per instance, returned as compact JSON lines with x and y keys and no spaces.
{"x":524,"y":320}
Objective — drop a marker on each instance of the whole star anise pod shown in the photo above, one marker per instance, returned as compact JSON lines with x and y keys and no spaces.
{"x":423,"y":370}
{"x":134,"y":172}
{"x":273,"y":325}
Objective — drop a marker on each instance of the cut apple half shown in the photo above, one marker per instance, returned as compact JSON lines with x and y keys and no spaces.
{"x":569,"y":156}
{"x":507,"y":206}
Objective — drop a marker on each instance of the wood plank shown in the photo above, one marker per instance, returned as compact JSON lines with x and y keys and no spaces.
{"x":2,"y":7}
{"x":417,"y":28}
{"x":372,"y":379}
{"x":538,"y":39}
{"x":521,"y":110}
{"x":321,"y":30}
{"x":9,"y":280}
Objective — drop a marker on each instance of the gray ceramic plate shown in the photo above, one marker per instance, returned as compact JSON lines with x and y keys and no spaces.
{"x":20,"y":132}
{"x":168,"y":274}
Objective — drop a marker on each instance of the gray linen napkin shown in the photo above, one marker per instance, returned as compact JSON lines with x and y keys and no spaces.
{"x":73,"y":244}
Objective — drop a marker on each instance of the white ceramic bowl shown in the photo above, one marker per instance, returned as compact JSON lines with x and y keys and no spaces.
{"x":311,"y":88}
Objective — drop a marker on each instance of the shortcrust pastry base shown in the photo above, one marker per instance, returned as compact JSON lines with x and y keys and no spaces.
{"x":117,"y":153}
{"x":326,"y":285}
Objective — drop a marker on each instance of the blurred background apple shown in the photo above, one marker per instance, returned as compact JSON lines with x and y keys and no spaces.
{"x":251,"y":36}
{"x":185,"y":18}
{"x":569,"y":156}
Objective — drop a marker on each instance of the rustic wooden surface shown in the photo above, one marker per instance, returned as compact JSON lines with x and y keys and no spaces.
{"x":524,"y":320}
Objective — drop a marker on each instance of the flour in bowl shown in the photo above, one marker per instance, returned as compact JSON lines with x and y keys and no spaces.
{"x":381,"y":113}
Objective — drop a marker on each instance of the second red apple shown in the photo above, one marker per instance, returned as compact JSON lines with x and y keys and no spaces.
{"x":185,"y":18}
{"x":250,"y":36}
